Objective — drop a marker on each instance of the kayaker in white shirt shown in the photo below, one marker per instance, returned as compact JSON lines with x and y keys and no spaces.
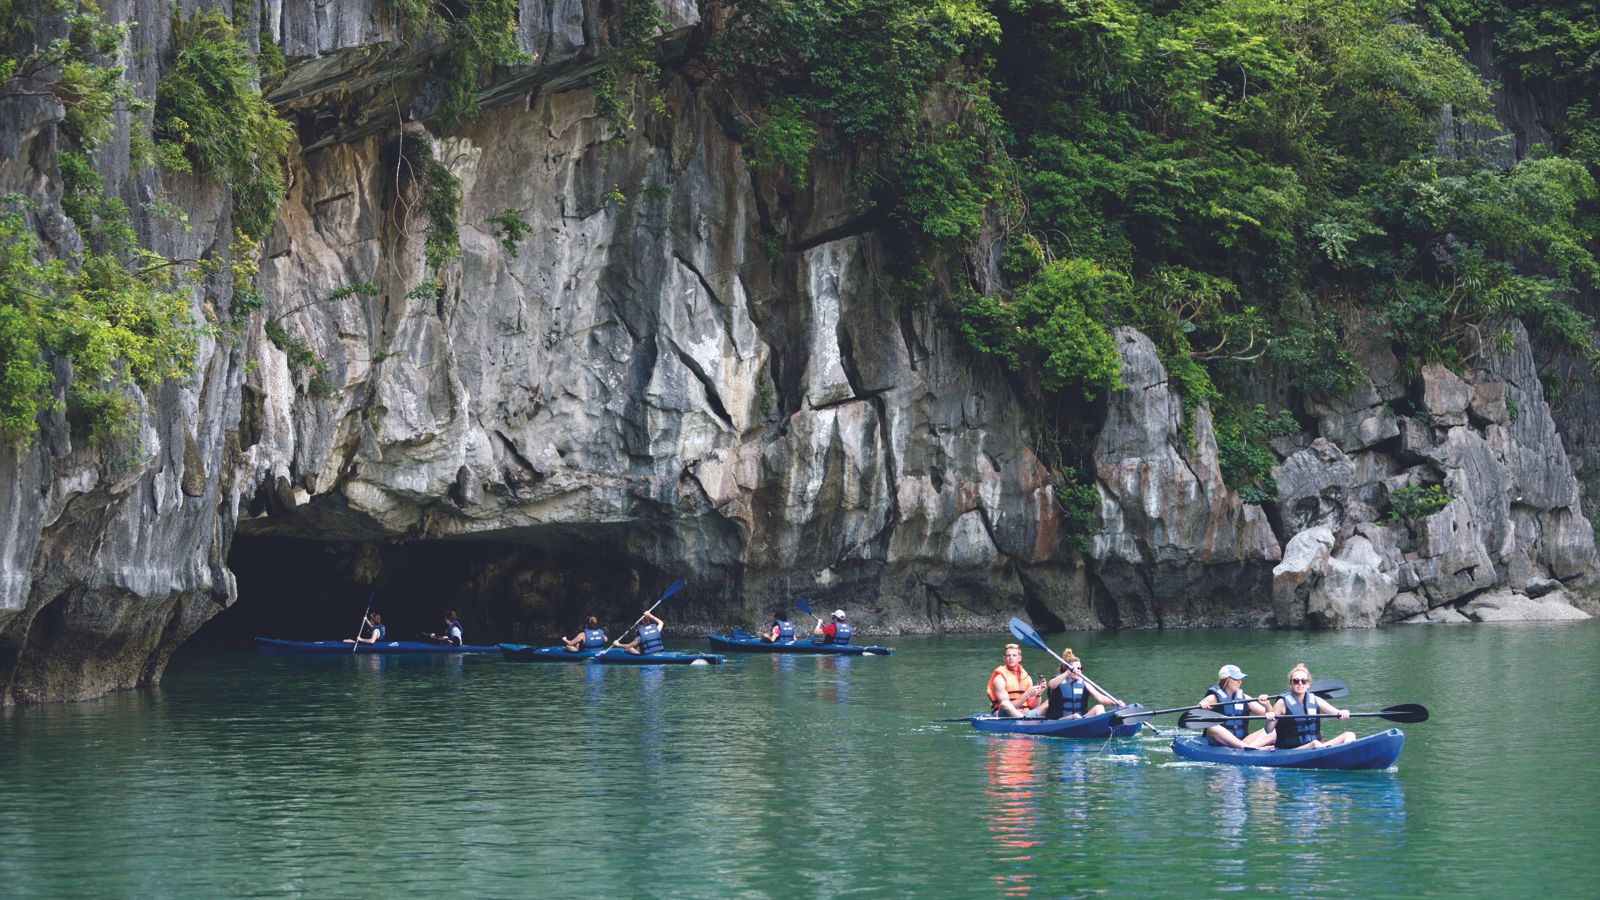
{"x":1228,"y":697}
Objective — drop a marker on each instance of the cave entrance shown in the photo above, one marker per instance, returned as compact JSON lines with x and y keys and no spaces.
{"x":307,"y":589}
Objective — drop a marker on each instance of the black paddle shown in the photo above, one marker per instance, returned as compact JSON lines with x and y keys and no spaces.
{"x":671,"y":589}
{"x":1023,"y":632}
{"x":1327,"y":688}
{"x":1405,"y":712}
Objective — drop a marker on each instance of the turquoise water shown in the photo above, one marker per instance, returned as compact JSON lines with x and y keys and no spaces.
{"x":246,"y":774}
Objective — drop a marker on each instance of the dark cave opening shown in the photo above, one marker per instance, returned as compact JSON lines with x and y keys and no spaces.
{"x":305,"y":589}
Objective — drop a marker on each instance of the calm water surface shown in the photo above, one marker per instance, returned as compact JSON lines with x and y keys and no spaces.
{"x":246,"y":774}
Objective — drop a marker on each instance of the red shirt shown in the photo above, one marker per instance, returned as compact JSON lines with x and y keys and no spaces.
{"x":828,"y":630}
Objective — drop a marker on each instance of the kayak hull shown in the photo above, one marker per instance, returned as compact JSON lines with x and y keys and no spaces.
{"x":1375,"y":751}
{"x":1086,"y":727}
{"x":525,"y":653}
{"x":276,"y":645}
{"x":740,"y":643}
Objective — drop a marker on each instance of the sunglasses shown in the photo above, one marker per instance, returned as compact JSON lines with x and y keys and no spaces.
{"x":1299,"y":681}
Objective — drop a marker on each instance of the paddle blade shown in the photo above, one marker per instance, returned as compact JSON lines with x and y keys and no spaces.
{"x":1330,"y":688}
{"x":1200,"y":719}
{"x":1133,"y":714}
{"x":1024,"y":632}
{"x":801,"y":604}
{"x":671,"y":589}
{"x":1405,"y":712}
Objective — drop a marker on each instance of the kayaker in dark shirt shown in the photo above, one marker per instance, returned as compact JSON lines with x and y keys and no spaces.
{"x":372,"y":630}
{"x":648,"y":640}
{"x":1228,"y":696}
{"x":453,"y":633}
{"x":590,"y":637}
{"x":1070,"y":693}
{"x":781,"y":629}
{"x":1294,"y":731}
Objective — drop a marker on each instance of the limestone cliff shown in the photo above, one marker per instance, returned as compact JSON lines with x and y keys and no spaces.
{"x":684,"y":369}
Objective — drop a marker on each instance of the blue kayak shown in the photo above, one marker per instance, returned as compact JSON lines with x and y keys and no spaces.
{"x":1375,"y":751}
{"x":745,"y":642}
{"x":275,"y":645}
{"x":1091,"y":727}
{"x":525,"y":653}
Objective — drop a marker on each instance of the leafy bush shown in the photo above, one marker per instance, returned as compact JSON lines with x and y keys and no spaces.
{"x":479,"y":36}
{"x":1408,"y":504}
{"x":212,"y":119}
{"x":439,"y":193}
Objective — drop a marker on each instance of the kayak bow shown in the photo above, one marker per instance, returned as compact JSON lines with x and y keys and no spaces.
{"x":741,"y":642}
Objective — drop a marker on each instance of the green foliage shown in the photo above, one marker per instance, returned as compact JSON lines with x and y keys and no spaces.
{"x":478,"y":36}
{"x":439,"y":195}
{"x":632,"y":29}
{"x":784,"y":142}
{"x":509,"y":229}
{"x":212,"y":119}
{"x":115,"y":322}
{"x":1051,"y":328}
{"x":1243,"y":450}
{"x":1408,"y":504}
{"x":1079,"y":501}
{"x":945,"y":183}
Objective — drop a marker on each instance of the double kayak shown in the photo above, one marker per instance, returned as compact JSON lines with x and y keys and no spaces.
{"x":275,"y":645}
{"x":1090,"y":727}
{"x":607,"y":657}
{"x":745,"y":642}
{"x":1375,"y":751}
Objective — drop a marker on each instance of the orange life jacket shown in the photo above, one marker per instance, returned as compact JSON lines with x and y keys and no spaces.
{"x":1015,"y":687}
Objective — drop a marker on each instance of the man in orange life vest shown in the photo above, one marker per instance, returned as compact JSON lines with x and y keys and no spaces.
{"x":1011,"y":691}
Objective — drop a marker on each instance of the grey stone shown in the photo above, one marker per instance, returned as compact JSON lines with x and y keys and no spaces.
{"x":1509,"y":606}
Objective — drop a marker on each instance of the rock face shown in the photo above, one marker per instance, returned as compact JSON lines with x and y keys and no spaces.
{"x":684,"y":370}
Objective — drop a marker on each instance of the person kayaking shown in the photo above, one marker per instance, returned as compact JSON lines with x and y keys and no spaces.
{"x":648,"y":639}
{"x":1070,"y":692}
{"x":837,"y":631}
{"x":781,"y":629}
{"x":452,"y":634}
{"x":372,"y":630}
{"x":590,"y":637}
{"x":1294,"y":708}
{"x":1011,"y":690}
{"x":1228,"y":696}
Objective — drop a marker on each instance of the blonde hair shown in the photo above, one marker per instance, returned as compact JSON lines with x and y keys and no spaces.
{"x":1300,"y":667}
{"x":1068,"y":658}
{"x":1012,"y":647}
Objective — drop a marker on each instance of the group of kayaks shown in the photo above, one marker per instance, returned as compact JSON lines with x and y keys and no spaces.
{"x":735,"y":641}
{"x":1377,"y":751}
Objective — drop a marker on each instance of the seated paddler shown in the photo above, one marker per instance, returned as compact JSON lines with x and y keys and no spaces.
{"x":781,"y":629}
{"x":648,"y":639}
{"x":1296,"y":709}
{"x":590,"y":637}
{"x":836,"y":631}
{"x":1227,"y":696}
{"x":1011,"y":690}
{"x":453,"y":634}
{"x":1070,"y":693}
{"x":372,"y":630}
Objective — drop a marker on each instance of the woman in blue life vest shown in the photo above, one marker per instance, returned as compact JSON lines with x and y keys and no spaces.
{"x":781,"y":629}
{"x":453,"y":633}
{"x":649,"y":637}
{"x":372,"y":630}
{"x":837,"y":631}
{"x":1070,"y":694}
{"x":1228,"y":696}
{"x":1294,"y":708}
{"x":590,"y":637}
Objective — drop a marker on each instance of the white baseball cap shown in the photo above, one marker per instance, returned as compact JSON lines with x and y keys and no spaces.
{"x":1231,"y":671}
{"x":838,"y":614}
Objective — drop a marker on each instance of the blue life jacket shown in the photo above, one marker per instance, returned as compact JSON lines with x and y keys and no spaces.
{"x":1236,"y":705}
{"x":1301,"y":729}
{"x":594,"y":638}
{"x":454,"y":633}
{"x":376,"y":632}
{"x":1067,"y":698}
{"x":785,"y":629}
{"x":841,"y":633}
{"x":650,"y":639}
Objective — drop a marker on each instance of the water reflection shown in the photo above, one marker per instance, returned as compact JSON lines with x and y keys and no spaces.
{"x":837,"y":688}
{"x":1014,"y":769}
